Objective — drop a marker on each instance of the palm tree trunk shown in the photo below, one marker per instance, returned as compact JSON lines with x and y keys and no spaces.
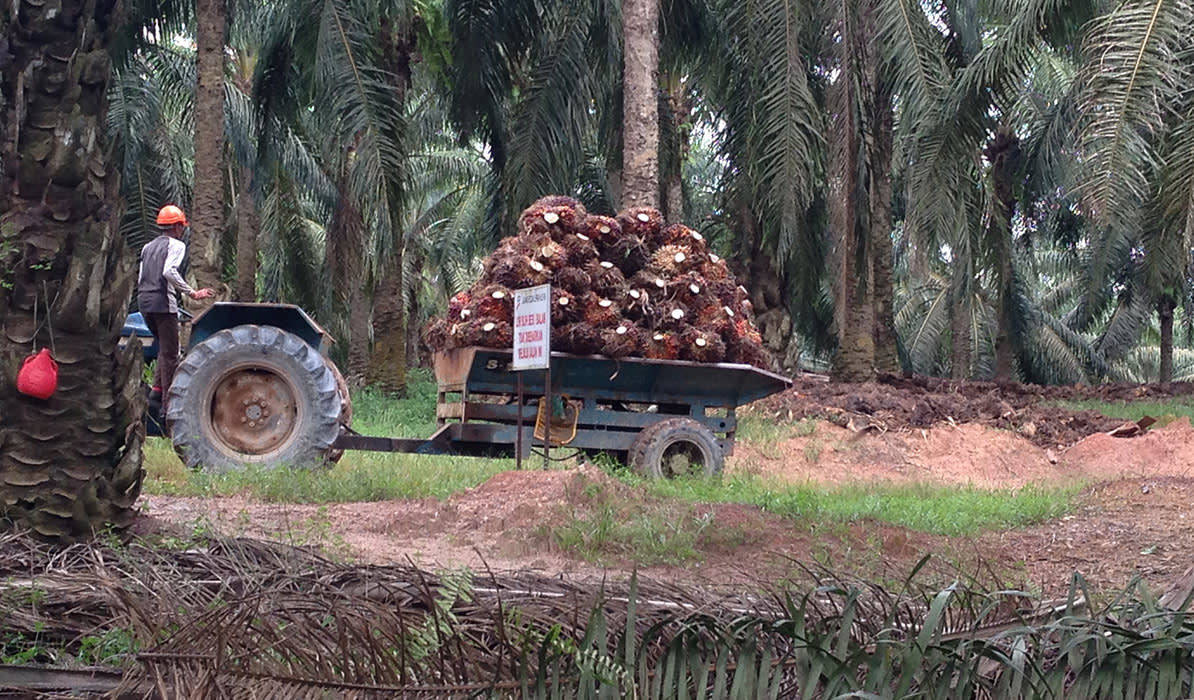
{"x":414,"y":310}
{"x":755,"y":268}
{"x":247,"y":226}
{"x":387,"y":359}
{"x":359,"y":344}
{"x":70,"y":464}
{"x":387,"y":363}
{"x":345,"y":242}
{"x":640,"y":105}
{"x":887,"y":358}
{"x":1003,"y":152}
{"x":679,"y":140}
{"x":1004,"y":368}
{"x":959,"y":317}
{"x":207,"y":222}
{"x":1165,"y":307}
{"x":855,"y":357}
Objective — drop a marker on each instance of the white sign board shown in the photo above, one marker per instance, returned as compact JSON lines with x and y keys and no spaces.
{"x":532,"y":327}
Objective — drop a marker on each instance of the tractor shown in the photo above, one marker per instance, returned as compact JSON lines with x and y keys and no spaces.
{"x":255,"y":387}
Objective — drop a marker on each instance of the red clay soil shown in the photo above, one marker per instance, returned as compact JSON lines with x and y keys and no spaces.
{"x":896,"y":403}
{"x":1133,"y":518}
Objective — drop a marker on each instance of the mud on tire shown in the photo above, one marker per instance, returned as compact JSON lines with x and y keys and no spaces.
{"x":253,"y":395}
{"x":676,"y":447}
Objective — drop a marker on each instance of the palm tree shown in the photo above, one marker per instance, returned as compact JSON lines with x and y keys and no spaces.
{"x":640,"y":103}
{"x":208,"y":216}
{"x":759,"y":100}
{"x":1137,"y":135}
{"x":71,"y":463}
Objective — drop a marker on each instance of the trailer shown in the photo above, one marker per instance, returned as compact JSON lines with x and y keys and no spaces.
{"x":661,"y":417}
{"x":255,"y":386}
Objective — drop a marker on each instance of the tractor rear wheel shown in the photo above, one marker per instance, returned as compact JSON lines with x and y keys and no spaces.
{"x":345,"y":405}
{"x":253,"y":395}
{"x":677,"y":447}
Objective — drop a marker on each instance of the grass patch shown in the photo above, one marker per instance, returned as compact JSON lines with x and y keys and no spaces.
{"x":609,"y":529}
{"x":942,"y":510}
{"x":358,"y":476}
{"x":759,"y":431}
{"x":1177,"y":407}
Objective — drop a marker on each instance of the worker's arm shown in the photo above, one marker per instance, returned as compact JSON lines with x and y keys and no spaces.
{"x":174,"y":258}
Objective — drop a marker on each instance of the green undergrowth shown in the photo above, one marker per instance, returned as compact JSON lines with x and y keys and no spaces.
{"x":942,"y":510}
{"x":609,"y":527}
{"x":357,"y":477}
{"x":1164,"y":410}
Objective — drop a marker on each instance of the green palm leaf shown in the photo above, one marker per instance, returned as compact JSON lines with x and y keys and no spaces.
{"x":1136,"y":73}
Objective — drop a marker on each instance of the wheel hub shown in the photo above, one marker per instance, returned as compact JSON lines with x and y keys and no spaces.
{"x":253,"y":411}
{"x":682,"y":458}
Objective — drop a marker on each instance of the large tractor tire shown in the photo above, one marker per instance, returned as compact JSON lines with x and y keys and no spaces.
{"x":345,"y":405}
{"x":677,"y":447}
{"x":253,"y":395}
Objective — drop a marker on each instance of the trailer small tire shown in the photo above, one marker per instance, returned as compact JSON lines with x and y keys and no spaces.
{"x":676,"y":447}
{"x":253,"y":395}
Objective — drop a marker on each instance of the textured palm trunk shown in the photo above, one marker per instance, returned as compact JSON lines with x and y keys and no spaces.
{"x":359,"y":342}
{"x":1165,"y":309}
{"x":248,"y":224}
{"x":387,"y":363}
{"x":679,"y":140}
{"x":640,"y":103}
{"x":755,"y":269}
{"x":855,"y":357}
{"x":71,"y":464}
{"x":414,"y":310}
{"x":208,"y":216}
{"x":1003,"y":152}
{"x":1004,"y":365}
{"x":959,"y":319}
{"x":387,"y":358}
{"x":344,"y":249}
{"x":887,"y":357}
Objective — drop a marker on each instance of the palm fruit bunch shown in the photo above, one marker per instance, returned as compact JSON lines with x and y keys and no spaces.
{"x":625,"y":286}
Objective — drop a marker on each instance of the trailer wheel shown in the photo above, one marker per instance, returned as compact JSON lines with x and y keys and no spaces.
{"x":253,"y":395}
{"x":676,"y":447}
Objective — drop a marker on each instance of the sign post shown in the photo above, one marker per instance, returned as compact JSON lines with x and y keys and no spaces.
{"x":532,"y":350}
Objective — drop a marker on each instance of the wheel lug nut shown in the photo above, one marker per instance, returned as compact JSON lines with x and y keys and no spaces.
{"x":243,"y":419}
{"x":252,"y":424}
{"x":246,"y":402}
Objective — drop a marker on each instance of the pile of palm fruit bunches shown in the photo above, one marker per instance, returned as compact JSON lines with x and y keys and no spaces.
{"x":628,"y":286}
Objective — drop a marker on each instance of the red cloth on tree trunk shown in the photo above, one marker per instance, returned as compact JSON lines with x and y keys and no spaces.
{"x":38,"y":376}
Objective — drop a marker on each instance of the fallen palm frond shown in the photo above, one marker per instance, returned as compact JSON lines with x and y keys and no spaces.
{"x":211,"y":616}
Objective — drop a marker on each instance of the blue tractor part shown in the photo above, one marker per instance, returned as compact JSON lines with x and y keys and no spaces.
{"x":287,"y":317}
{"x":136,"y":329}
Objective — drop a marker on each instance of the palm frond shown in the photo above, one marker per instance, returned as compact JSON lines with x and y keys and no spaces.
{"x":915,"y":50}
{"x":922,"y":320}
{"x":1134,"y":77}
{"x":294,"y":270}
{"x":1143,"y":365}
{"x":554,"y":111}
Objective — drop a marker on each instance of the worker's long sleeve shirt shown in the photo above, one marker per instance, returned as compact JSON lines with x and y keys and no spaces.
{"x":159,"y":280}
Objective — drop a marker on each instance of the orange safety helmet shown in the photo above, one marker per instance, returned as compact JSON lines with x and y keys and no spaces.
{"x":171,"y":214}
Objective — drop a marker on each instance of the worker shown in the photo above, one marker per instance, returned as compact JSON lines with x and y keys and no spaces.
{"x":158,"y":283}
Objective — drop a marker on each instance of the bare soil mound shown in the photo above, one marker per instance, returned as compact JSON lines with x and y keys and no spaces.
{"x":1133,"y":519}
{"x":896,"y":403}
{"x":965,"y":454}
